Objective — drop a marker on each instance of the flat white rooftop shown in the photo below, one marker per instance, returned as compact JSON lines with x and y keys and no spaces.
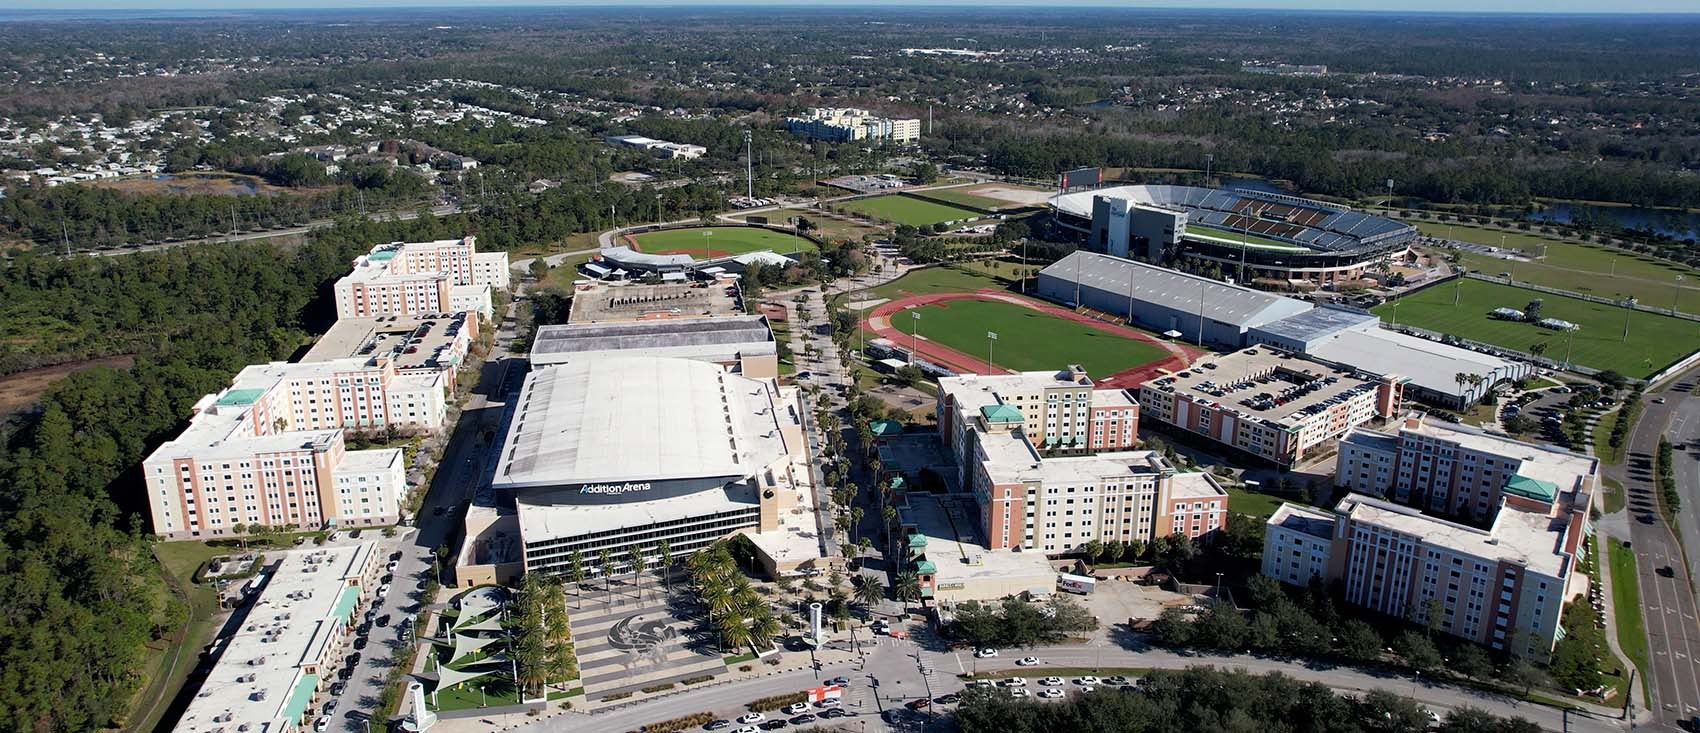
{"x":1266,"y":384}
{"x":638,"y":418}
{"x":1531,"y":539}
{"x":259,"y":683}
{"x":1546,"y":463}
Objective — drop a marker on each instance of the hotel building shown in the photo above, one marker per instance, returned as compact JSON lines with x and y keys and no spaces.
{"x":850,"y":124}
{"x":1268,"y":403}
{"x":1046,"y":458}
{"x":269,"y":449}
{"x":419,"y":278}
{"x":1501,"y":581}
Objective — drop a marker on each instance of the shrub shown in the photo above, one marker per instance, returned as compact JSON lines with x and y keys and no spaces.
{"x":775,"y":702}
{"x":745,"y":668}
{"x":683,"y":722}
{"x":617,"y":696}
{"x":699,"y":679}
{"x":660,"y":687}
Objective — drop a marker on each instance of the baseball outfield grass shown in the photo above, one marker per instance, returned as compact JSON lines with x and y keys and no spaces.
{"x":1578,"y":267}
{"x":1654,"y":340}
{"x":721,"y":241}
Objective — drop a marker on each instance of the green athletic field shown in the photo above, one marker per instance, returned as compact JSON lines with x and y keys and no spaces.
{"x":1594,"y":270}
{"x":906,"y":210}
{"x":1654,"y":340}
{"x":965,"y":197}
{"x":1251,"y":240}
{"x":1027,"y":339}
{"x":722,"y":240}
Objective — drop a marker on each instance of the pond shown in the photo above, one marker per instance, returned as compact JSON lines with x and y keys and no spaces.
{"x":1673,"y":224}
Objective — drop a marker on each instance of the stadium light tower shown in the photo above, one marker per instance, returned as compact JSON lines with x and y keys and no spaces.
{"x":991,"y":338}
{"x":914,"y":334}
{"x":1209,"y":162}
{"x":750,"y":167}
{"x":1388,"y":208}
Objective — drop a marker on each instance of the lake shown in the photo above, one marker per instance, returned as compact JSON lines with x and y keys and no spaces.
{"x":1673,"y":224}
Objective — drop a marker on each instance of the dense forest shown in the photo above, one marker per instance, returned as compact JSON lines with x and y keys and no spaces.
{"x":82,"y":591}
{"x":1204,"y":699}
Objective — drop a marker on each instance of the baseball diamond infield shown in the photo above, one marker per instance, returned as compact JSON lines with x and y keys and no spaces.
{"x":1168,"y":356}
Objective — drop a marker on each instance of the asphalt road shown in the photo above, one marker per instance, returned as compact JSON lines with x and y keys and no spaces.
{"x":1668,"y":600}
{"x":897,"y":667}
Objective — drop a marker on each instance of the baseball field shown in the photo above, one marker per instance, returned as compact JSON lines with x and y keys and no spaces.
{"x":720,"y":241}
{"x":1653,"y":341}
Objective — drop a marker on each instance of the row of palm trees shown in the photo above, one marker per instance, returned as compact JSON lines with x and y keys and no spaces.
{"x":637,"y":562}
{"x":737,"y":615}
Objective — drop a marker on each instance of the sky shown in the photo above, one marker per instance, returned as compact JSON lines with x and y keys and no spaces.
{"x":1441,"y":6}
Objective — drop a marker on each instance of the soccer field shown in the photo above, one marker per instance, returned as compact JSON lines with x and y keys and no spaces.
{"x":1028,"y":339}
{"x":1654,"y":340}
{"x":721,"y":241}
{"x":1579,"y":267}
{"x":906,"y":210}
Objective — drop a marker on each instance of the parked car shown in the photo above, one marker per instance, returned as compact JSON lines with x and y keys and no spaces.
{"x":796,"y":707}
{"x":1050,"y":693}
{"x":750,"y":718}
{"x":1050,"y":681}
{"x":986,"y":653}
{"x":840,"y":681}
{"x":717,"y":724}
{"x":1027,"y":662}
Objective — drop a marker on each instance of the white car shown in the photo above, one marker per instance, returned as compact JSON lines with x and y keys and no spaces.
{"x":796,"y":707}
{"x":1027,"y":662}
{"x":747,"y":729}
{"x":1087,"y":689}
{"x":986,"y":653}
{"x":1086,"y":681}
{"x":751,"y":718}
{"x":1014,"y":682}
{"x":1050,"y":681}
{"x":321,"y":724}
{"x":1019,"y":692}
{"x":1050,"y":693}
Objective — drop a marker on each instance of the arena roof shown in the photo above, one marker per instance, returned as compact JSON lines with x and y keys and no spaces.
{"x":1173,"y":289}
{"x":708,"y":338}
{"x":1429,"y":364}
{"x":1316,"y":225}
{"x":638,"y":418}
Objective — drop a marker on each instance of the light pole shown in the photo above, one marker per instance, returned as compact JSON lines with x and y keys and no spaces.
{"x":706,"y":233}
{"x":481,"y":699}
{"x":991,"y":338}
{"x":1396,"y":311}
{"x":914,"y":334}
{"x":1675,"y":293}
{"x":1209,"y":161}
{"x":1023,"y":272}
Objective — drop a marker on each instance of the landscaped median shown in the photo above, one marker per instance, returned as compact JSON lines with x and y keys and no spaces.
{"x":1626,"y":607}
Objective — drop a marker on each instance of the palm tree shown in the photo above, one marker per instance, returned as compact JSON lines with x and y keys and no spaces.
{"x":868,"y":590}
{"x":733,"y":633}
{"x":908,"y":587}
{"x":634,"y":555}
{"x":665,"y":550}
{"x":575,"y":570}
{"x":763,"y":629}
{"x":605,"y":561}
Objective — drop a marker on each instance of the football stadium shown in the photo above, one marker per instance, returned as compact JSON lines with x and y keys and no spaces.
{"x":1273,"y":236}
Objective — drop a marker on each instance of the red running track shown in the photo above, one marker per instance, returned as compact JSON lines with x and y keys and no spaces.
{"x":879,"y":321}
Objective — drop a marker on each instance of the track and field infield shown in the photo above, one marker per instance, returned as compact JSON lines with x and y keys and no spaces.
{"x":907,"y":210}
{"x":1654,"y":340}
{"x":1032,"y":336}
{"x":719,"y":241}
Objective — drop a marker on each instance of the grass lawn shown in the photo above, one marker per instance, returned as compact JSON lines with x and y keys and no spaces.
{"x":1654,"y":340}
{"x":1579,"y":267}
{"x":906,"y":210}
{"x":965,"y":197}
{"x":1602,"y":435}
{"x":931,"y":280}
{"x":1626,"y":607}
{"x":497,"y":691}
{"x":1028,"y":339}
{"x":724,"y":240}
{"x":1253,"y":503}
{"x":1614,"y":497}
{"x":827,"y":227}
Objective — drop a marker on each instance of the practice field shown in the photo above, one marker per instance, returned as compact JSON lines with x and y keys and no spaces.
{"x":1578,"y":267}
{"x":1028,"y":339}
{"x":720,"y":241}
{"x":906,"y":210}
{"x":1654,"y":340}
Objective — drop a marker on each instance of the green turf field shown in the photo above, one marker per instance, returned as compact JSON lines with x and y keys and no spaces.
{"x":906,"y":210}
{"x":1654,"y":340}
{"x":1579,"y":267}
{"x":1027,"y":339}
{"x":1251,"y":240}
{"x":929,"y":280}
{"x":724,"y":240}
{"x":966,"y":197}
